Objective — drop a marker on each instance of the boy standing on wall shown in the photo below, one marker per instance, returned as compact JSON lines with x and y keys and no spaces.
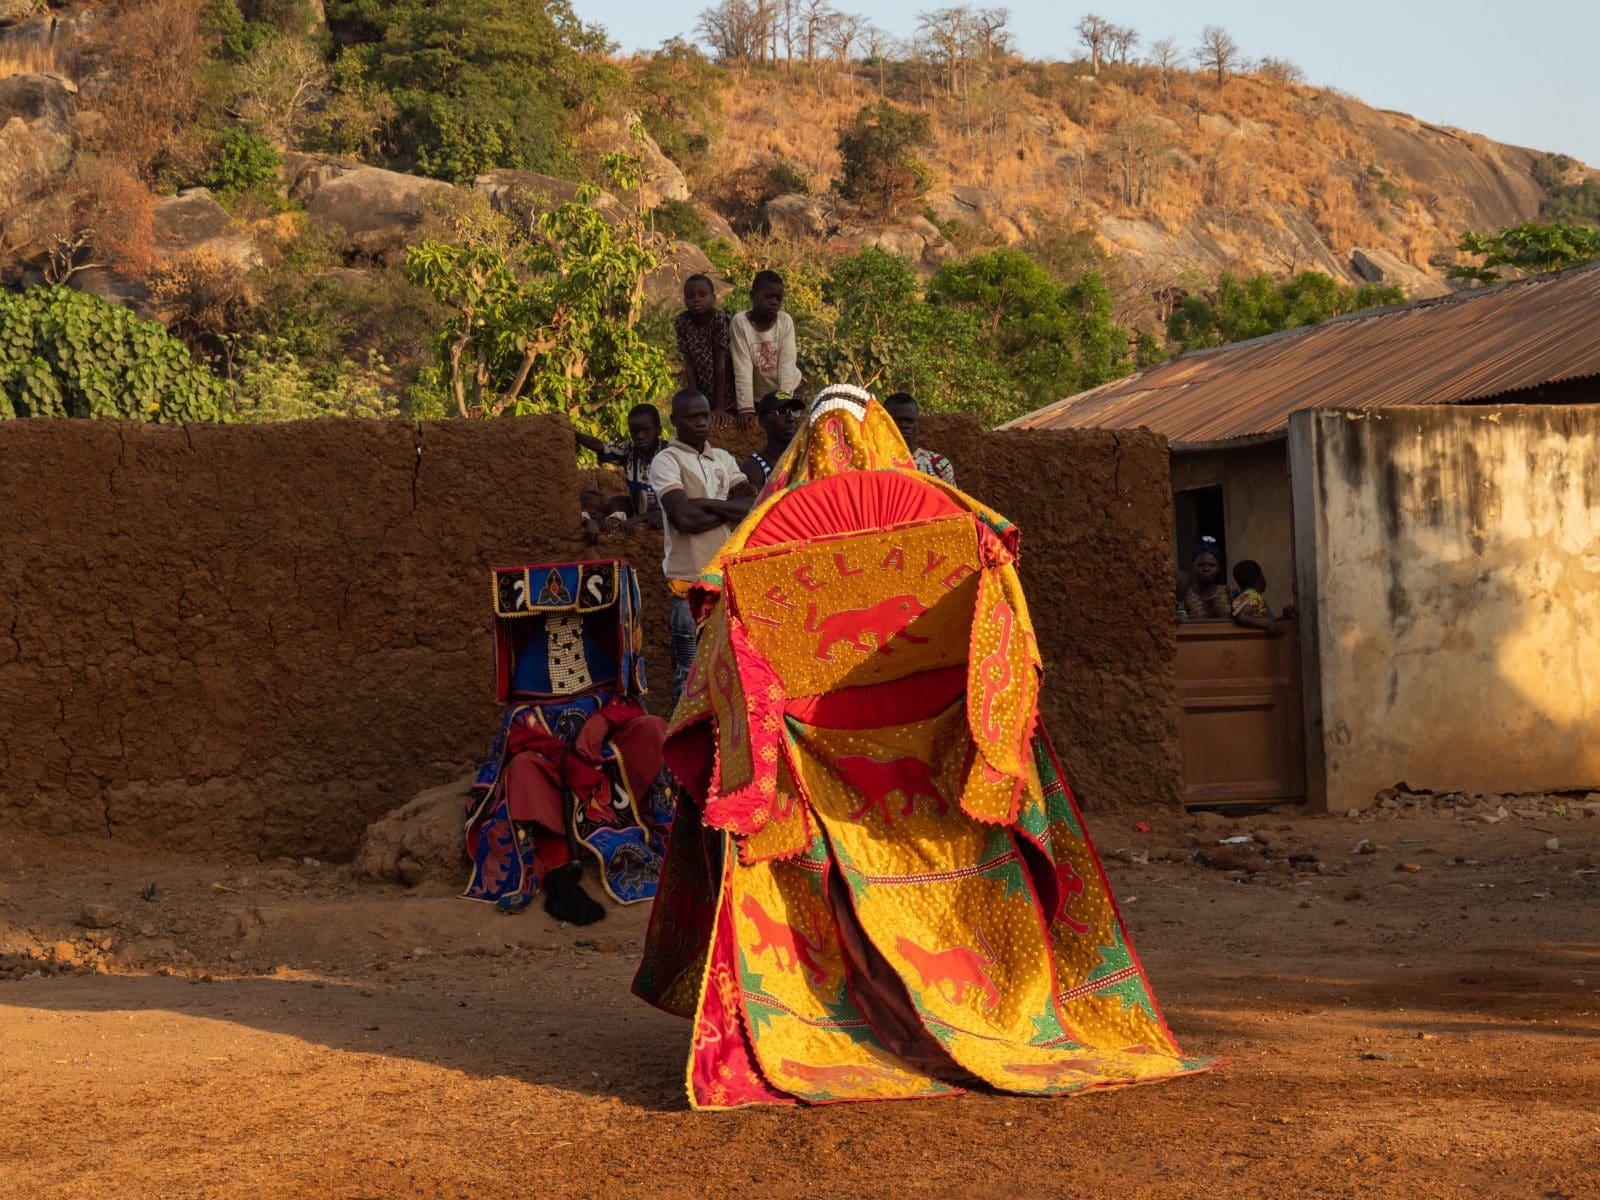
{"x":703,"y":494}
{"x":763,"y":347}
{"x":702,"y":331}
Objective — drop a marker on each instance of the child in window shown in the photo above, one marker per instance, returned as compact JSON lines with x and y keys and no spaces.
{"x":1250,"y":602}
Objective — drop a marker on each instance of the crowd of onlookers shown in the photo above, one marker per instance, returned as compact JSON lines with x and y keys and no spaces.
{"x":737,"y":371}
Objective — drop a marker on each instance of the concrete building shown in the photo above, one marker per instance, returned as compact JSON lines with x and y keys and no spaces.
{"x":1423,"y":481}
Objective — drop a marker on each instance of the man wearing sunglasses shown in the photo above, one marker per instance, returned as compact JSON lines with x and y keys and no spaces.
{"x":779,"y":414}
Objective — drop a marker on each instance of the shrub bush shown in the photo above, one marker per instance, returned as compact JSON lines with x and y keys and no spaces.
{"x":65,"y":353}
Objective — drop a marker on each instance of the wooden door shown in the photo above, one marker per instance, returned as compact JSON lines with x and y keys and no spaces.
{"x":1239,"y":705}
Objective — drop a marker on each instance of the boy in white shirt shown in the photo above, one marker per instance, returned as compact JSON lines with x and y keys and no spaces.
{"x":703,"y":494}
{"x":762,"y":344}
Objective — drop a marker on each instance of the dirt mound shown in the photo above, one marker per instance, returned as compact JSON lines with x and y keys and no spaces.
{"x":422,"y":839}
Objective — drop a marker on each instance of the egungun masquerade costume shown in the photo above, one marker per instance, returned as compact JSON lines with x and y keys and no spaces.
{"x":575,"y":771}
{"x":878,"y":885}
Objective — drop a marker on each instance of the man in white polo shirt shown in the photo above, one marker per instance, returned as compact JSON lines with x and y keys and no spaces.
{"x":703,"y":494}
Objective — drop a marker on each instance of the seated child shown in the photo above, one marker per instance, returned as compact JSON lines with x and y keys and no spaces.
{"x":1250,"y":602}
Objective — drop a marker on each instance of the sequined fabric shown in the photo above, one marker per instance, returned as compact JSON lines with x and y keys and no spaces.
{"x":879,"y":886}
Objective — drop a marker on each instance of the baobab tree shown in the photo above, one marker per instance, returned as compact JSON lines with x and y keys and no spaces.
{"x":1164,"y":57}
{"x":1217,"y":52}
{"x":1095,"y":33}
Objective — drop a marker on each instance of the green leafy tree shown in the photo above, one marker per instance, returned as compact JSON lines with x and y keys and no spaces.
{"x":871,"y":326}
{"x":65,"y":353}
{"x":678,"y":94}
{"x":270,"y":384}
{"x":878,"y":152}
{"x":549,"y":324}
{"x":246,"y":163}
{"x":1573,"y":204}
{"x":1250,"y":306}
{"x":479,"y":84}
{"x":1052,"y":339}
{"x":1526,"y":249}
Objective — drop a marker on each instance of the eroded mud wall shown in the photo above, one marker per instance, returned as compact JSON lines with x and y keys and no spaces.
{"x":262,"y":638}
{"x":1095,"y":509}
{"x":256,"y":637}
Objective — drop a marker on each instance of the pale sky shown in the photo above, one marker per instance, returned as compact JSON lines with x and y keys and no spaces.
{"x":1522,"y":73}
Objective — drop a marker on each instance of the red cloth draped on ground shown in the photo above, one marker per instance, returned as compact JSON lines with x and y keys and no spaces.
{"x":537,"y":760}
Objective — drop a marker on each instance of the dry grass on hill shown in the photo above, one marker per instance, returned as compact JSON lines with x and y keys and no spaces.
{"x":1178,"y":155}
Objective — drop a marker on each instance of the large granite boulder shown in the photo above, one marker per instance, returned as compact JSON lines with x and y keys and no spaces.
{"x":717,"y":225}
{"x":795,"y":216}
{"x":377,"y":211}
{"x":192,"y":221}
{"x":36,"y":113}
{"x":304,"y":175}
{"x":663,"y":180}
{"x":187,"y":224}
{"x":975,"y":206}
{"x":45,"y":99}
{"x":1382,"y":266}
{"x":14,"y":11}
{"x":664,"y":285}
{"x":523,"y":195}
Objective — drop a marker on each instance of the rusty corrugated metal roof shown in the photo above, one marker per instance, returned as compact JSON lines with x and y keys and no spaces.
{"x":1466,"y":346}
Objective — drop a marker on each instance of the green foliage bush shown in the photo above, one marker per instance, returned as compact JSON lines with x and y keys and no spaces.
{"x":879,"y":166}
{"x":995,"y":337}
{"x":479,"y":84}
{"x":1254,"y":305}
{"x":1527,"y":249}
{"x":549,"y":322}
{"x":271,"y":384}
{"x":678,"y":96}
{"x":245,"y":164}
{"x":1052,"y":339}
{"x":1572,"y":204}
{"x":65,"y":353}
{"x":680,"y":219}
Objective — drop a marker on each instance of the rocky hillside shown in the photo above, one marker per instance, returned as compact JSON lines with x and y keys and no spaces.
{"x":1179,"y":180}
{"x":243,"y":171}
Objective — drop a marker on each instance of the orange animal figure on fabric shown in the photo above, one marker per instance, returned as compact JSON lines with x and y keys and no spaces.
{"x":846,"y":1074}
{"x":885,"y":620}
{"x":1068,"y":885}
{"x":785,"y":941}
{"x":960,"y":966}
{"x":877,"y":780}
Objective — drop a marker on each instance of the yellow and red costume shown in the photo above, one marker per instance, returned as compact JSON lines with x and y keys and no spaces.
{"x":878,"y":885}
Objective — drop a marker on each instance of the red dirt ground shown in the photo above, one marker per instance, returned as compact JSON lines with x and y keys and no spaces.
{"x":277,"y":1029}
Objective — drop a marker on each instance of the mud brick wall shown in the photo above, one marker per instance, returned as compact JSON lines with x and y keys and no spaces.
{"x":1095,"y":509}
{"x":262,"y":638}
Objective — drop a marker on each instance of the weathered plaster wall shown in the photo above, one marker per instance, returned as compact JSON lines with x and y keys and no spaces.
{"x":1449,"y":580}
{"x":1257,"y":509}
{"x":262,"y":638}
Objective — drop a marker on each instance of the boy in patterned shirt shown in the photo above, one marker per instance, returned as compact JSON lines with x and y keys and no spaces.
{"x":634,"y":457}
